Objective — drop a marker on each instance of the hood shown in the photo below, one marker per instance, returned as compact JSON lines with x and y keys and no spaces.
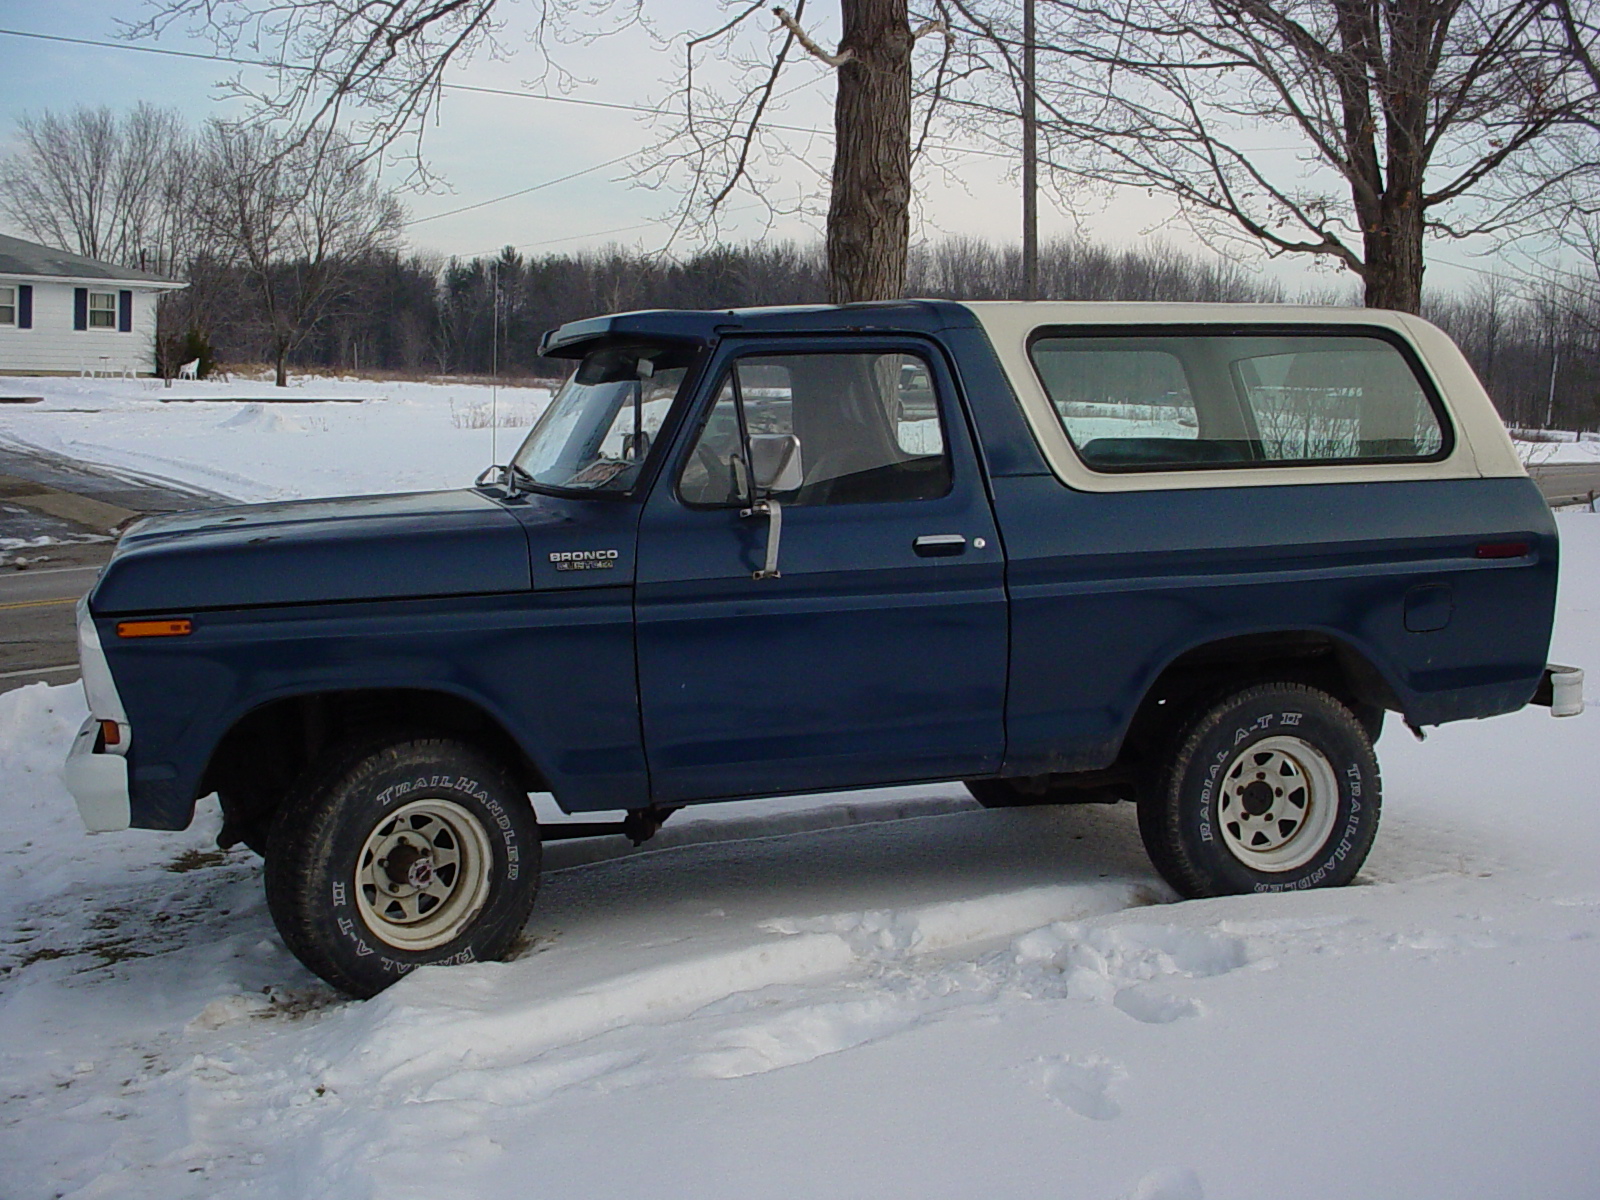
{"x":315,"y":551}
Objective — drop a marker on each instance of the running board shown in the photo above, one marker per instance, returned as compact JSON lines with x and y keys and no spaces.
{"x":639,"y":826}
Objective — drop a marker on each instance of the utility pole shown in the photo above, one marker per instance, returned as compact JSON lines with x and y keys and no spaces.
{"x":1030,"y":160}
{"x":1550,"y":402}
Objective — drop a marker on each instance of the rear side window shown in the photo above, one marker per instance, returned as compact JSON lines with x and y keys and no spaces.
{"x":1134,"y":402}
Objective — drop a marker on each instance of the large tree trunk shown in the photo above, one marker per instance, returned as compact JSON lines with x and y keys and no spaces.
{"x":1393,"y":245}
{"x":869,"y":216}
{"x":281,"y":356}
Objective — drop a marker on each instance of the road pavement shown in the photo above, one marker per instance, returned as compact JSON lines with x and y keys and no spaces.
{"x":76,"y":511}
{"x":1567,"y":483}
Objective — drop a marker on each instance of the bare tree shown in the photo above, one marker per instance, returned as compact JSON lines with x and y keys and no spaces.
{"x":105,"y":186}
{"x":1403,"y":119}
{"x":370,"y":72}
{"x":724,"y":140}
{"x":378,"y":69}
{"x":296,"y":217}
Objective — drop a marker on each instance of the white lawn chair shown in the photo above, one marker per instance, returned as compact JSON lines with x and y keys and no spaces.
{"x":189,"y":370}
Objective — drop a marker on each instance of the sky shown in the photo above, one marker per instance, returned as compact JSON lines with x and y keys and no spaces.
{"x":483,"y":147}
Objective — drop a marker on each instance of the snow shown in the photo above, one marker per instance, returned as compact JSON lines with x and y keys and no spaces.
{"x":887,"y":994}
{"x":1541,"y":447}
{"x":239,"y":439}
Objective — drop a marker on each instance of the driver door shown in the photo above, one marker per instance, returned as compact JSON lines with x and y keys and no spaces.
{"x":878,"y":652}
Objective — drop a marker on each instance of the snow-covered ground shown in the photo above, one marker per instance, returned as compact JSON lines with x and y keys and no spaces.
{"x":241,"y":440}
{"x":879,"y":995}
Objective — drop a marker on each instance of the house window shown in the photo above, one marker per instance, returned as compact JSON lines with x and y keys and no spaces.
{"x":8,"y":306}
{"x":102,"y":310}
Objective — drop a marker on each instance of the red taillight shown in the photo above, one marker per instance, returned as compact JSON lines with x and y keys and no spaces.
{"x":137,"y":629}
{"x":1502,"y":549}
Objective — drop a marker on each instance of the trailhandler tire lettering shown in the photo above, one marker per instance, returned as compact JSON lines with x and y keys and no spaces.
{"x":1267,"y":788}
{"x":422,"y":852}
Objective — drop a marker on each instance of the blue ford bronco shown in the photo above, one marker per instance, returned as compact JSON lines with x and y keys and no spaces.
{"x":1183,"y":555}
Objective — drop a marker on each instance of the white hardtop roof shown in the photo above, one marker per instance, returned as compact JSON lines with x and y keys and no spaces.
{"x":1481,"y":448}
{"x":1139,"y":312}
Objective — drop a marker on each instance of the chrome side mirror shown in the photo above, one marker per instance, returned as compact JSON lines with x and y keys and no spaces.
{"x":775,"y":462}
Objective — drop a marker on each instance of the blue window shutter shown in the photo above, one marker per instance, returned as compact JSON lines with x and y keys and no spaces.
{"x":80,"y":308}
{"x":25,"y":306}
{"x":124,"y":311}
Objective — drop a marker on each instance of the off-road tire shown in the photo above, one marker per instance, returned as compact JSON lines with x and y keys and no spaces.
{"x":451,"y":813}
{"x":1219,"y":815}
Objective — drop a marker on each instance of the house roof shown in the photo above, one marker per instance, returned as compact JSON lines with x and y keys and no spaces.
{"x":18,"y":257}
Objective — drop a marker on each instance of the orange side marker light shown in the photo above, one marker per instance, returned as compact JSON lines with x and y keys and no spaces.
{"x":139,"y":629}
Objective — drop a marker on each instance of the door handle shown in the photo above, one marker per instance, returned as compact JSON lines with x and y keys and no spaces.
{"x":940,"y":545}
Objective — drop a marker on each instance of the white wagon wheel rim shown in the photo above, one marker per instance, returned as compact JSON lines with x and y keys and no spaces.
{"x":1278,"y":804}
{"x":423,"y":874}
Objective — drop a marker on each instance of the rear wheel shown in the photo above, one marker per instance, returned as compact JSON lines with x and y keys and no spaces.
{"x":1272,"y":788}
{"x":416,"y":853}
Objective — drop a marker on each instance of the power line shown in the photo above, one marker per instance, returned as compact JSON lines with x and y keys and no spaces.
{"x":272,"y":65}
{"x":524,"y":191}
{"x":477,"y":89}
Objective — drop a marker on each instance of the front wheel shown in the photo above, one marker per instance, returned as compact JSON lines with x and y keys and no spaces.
{"x":1272,"y":788}
{"x":417,"y":853}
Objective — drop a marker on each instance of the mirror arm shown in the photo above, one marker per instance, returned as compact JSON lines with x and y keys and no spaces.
{"x":773,"y":511}
{"x":744,"y":438}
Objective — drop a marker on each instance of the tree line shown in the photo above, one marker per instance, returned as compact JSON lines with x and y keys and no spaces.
{"x":1536,"y":347}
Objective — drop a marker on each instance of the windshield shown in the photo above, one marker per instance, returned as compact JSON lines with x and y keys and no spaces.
{"x":598,"y":431}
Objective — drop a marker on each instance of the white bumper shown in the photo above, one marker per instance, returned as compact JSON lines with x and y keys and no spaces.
{"x":1564,"y":687}
{"x":98,"y":781}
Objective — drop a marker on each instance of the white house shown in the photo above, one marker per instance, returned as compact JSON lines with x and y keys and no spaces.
{"x":64,"y":314}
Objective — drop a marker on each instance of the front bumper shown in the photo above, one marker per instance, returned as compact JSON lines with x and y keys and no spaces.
{"x":98,"y":782}
{"x":97,"y":774}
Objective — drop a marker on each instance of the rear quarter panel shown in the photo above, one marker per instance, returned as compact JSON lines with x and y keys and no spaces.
{"x":1107,"y":589}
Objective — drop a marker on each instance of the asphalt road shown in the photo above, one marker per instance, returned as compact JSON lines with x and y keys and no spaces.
{"x":80,"y":510}
{"x":1567,"y":483}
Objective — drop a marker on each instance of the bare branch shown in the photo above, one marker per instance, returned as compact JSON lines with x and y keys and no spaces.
{"x":816,"y":51}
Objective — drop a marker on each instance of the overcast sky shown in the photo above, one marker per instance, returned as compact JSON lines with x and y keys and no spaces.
{"x":484,"y":146}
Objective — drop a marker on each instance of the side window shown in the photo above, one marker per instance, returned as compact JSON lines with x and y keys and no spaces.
{"x":863,"y":428}
{"x":1120,"y":403}
{"x":1159,"y":402}
{"x":1343,"y":400}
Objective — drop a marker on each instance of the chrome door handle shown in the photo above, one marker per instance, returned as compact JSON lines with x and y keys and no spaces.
{"x":940,"y":545}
